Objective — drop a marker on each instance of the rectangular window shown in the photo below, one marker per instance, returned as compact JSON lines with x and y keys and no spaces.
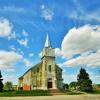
{"x":50,"y":69}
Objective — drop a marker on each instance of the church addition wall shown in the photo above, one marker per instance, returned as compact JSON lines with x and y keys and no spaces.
{"x":59,"y":77}
{"x":27,"y":81}
{"x":36,"y":77}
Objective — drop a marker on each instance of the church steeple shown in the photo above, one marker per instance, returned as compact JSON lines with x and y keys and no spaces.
{"x":47,"y":42}
{"x":48,"y":51}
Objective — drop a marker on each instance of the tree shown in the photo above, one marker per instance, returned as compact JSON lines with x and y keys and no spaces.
{"x":1,"y":84}
{"x":73,"y":85}
{"x":84,"y":82}
{"x":9,"y":86}
{"x":65,"y":86}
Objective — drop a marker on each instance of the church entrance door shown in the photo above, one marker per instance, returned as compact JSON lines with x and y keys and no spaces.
{"x":49,"y":83}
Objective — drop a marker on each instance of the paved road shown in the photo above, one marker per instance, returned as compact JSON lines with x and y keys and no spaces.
{"x":62,"y":97}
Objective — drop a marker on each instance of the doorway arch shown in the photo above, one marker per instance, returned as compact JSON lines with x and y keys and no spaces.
{"x":49,"y":85}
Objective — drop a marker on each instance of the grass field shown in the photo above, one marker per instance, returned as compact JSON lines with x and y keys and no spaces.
{"x":43,"y":93}
{"x":75,"y":92}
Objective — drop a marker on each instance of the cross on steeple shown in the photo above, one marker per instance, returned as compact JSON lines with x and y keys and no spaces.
{"x":47,"y":42}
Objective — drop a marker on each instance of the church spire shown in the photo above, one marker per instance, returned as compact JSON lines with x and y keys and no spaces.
{"x":47,"y":42}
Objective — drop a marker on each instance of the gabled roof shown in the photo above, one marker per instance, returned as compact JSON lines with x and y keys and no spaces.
{"x":58,"y":67}
{"x":35,"y":66}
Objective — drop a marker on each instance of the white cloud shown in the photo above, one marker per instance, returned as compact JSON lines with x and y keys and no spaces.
{"x":42,"y":6}
{"x":12,"y":78}
{"x":40,"y":54}
{"x":8,"y":59}
{"x":23,"y":42}
{"x":92,"y":59}
{"x":85,"y":16}
{"x":84,"y":41}
{"x":31,"y":54}
{"x":12,"y":8}
{"x":78,"y":12}
{"x":58,"y":52}
{"x":12,"y":36}
{"x":95,"y":78}
{"x":69,"y":78}
{"x":46,"y":13}
{"x":27,"y":62}
{"x":12,"y":47}
{"x":5,"y":27}
{"x":24,"y":33}
{"x":10,"y":70}
{"x":80,"y":40}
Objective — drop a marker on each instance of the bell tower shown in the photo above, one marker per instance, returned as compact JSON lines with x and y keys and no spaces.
{"x":48,"y":51}
{"x":49,"y":69}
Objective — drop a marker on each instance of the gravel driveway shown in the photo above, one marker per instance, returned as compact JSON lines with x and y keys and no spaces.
{"x":60,"y":97}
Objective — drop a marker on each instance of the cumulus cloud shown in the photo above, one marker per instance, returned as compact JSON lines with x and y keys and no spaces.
{"x":46,"y":13}
{"x":23,"y":42}
{"x":58,"y":52}
{"x":5,"y":27}
{"x":40,"y":54}
{"x":84,"y":41}
{"x":12,"y":47}
{"x":24,"y":33}
{"x":12,"y":8}
{"x":8,"y":59}
{"x":12,"y":78}
{"x":31,"y":54}
{"x":85,"y":16}
{"x":92,"y":59}
{"x":69,"y":77}
{"x":12,"y":36}
{"x":79,"y":40}
{"x":79,"y":13}
{"x":27,"y":62}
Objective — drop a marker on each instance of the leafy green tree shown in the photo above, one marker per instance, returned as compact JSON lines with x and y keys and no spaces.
{"x":1,"y":84}
{"x":9,"y":86}
{"x":84,"y":82}
{"x":73,"y":85}
{"x":65,"y":86}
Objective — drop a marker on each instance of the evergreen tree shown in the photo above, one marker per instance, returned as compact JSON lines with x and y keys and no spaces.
{"x":84,"y":82}
{"x":1,"y":84}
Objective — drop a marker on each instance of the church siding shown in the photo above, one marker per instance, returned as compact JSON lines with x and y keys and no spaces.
{"x":46,"y":74}
{"x":27,"y":81}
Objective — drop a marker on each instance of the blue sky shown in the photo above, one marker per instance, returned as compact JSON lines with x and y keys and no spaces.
{"x":73,"y":27}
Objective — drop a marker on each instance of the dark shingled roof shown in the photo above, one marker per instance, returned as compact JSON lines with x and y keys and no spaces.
{"x":58,"y":67}
{"x":35,"y":66}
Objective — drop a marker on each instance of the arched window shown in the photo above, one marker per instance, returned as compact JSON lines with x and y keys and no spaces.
{"x":50,"y":69}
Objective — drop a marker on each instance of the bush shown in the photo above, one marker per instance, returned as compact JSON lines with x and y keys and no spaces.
{"x":26,"y":93}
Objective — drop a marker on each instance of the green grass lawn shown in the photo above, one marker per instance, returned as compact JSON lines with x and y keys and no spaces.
{"x":43,"y":93}
{"x":76,"y":92}
{"x":25,"y":93}
{"x":73,"y":92}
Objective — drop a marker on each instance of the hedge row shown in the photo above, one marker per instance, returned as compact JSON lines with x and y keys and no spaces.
{"x":26,"y":93}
